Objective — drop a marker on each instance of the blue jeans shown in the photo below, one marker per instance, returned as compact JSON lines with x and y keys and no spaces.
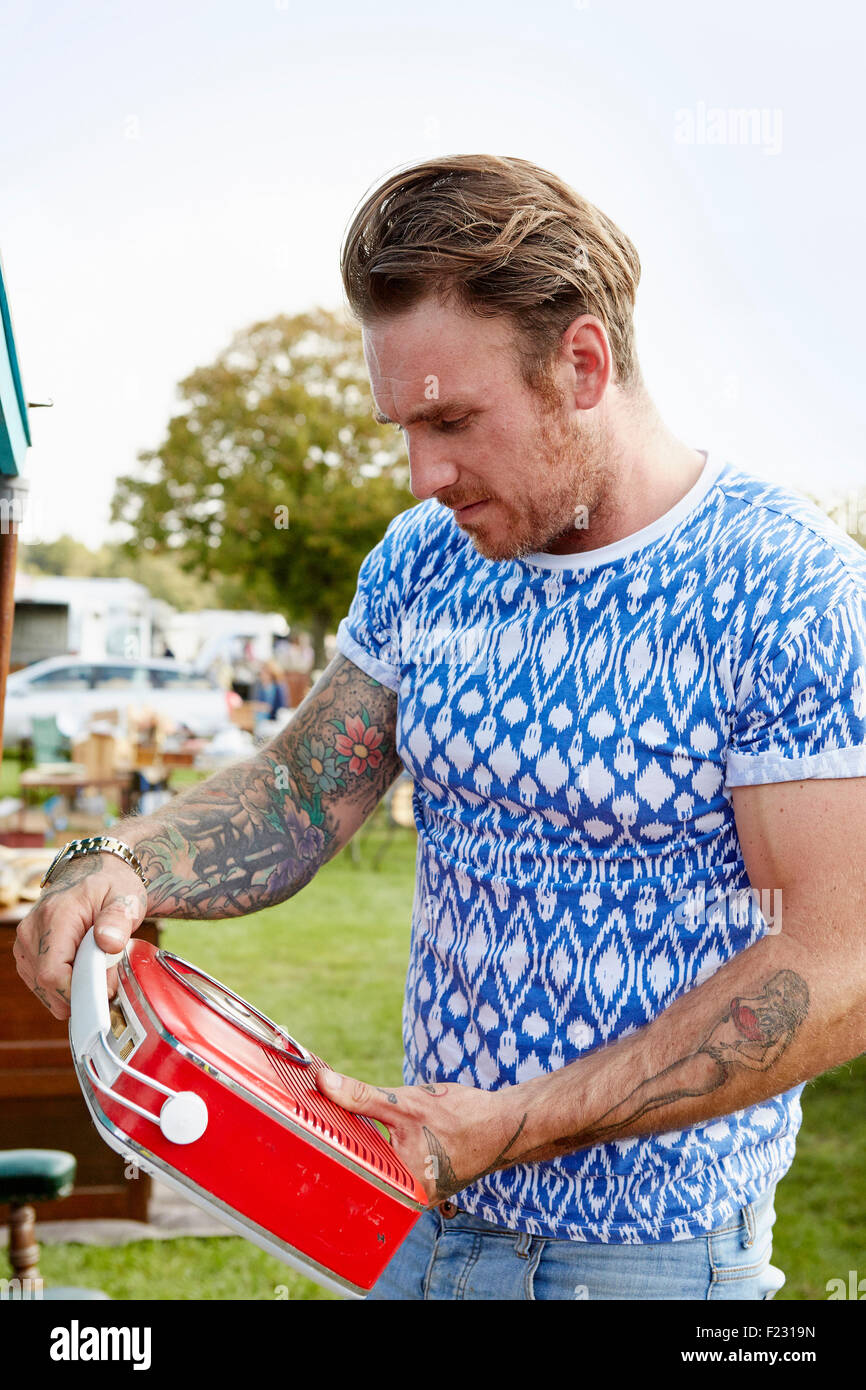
{"x":463,"y":1257}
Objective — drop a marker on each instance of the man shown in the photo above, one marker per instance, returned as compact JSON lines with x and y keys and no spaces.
{"x":628,"y":682}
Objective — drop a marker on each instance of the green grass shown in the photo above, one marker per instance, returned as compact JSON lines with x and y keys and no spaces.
{"x":820,"y":1229}
{"x":10,"y":768}
{"x":329,"y":965}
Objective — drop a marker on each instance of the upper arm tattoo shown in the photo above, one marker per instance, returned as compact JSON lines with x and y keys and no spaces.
{"x":340,"y":744}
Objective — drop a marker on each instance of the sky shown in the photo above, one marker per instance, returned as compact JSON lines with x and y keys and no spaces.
{"x":173,"y":172}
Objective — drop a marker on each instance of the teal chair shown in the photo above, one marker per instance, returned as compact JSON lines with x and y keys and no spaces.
{"x":28,"y":1176}
{"x":49,"y":744}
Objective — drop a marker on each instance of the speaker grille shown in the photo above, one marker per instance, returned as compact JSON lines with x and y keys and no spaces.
{"x":354,"y":1134}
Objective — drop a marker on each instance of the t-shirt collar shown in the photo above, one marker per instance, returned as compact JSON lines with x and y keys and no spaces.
{"x":604,"y":554}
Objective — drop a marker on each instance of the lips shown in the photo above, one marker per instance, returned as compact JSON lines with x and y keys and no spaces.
{"x":463,"y":512}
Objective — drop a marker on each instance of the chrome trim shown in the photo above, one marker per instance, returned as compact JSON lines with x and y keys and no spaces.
{"x":167,"y":957}
{"x":267,"y":1109}
{"x":250,"y":1230}
{"x":95,"y":1081}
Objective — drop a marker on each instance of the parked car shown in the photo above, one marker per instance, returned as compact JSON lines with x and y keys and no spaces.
{"x":73,"y":690}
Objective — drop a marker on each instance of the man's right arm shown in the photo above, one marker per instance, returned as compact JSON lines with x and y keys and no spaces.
{"x":249,"y":836}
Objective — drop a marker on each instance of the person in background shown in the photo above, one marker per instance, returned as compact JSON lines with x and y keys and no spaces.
{"x":244,"y":671}
{"x":270,"y":690}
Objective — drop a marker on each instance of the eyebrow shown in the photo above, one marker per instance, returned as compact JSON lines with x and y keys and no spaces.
{"x":434,"y":411}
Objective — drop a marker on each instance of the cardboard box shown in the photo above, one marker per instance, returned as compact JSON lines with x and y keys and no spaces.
{"x":245,"y":715}
{"x":97,"y":754}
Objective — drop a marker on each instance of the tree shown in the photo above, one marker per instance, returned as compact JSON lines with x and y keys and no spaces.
{"x":161,"y":574}
{"x":65,"y":555}
{"x":275,"y":474}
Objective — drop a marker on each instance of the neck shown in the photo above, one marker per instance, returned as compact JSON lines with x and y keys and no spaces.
{"x":643,"y":471}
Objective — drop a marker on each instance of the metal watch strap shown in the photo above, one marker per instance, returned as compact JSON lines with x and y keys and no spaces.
{"x":95,"y":844}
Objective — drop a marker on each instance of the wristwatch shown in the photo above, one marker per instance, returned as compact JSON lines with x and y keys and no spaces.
{"x":94,"y":844}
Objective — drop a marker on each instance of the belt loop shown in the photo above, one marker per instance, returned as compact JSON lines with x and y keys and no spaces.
{"x":523,"y":1245}
{"x":749,"y":1219}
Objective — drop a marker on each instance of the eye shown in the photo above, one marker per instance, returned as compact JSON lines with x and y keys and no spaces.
{"x":449,"y":426}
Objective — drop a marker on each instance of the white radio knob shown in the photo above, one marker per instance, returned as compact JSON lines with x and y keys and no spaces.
{"x":183,"y":1118}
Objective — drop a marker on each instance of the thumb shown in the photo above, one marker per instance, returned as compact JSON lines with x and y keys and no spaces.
{"x":111,"y":930}
{"x":355,"y":1096}
{"x":116,"y":920}
{"x":113,"y":925}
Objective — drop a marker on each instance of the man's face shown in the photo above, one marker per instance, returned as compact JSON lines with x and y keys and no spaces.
{"x":513,"y":466}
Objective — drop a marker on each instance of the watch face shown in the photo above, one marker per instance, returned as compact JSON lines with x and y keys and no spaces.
{"x":61,"y":854}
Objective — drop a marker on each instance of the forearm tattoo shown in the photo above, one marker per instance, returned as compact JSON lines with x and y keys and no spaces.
{"x":251,"y":836}
{"x":752,"y":1033}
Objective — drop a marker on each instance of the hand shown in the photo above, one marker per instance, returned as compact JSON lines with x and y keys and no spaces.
{"x":447,"y":1135}
{"x":95,"y":890}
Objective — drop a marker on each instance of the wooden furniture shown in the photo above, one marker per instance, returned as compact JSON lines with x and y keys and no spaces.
{"x":27,"y":1176}
{"x":124,"y":782}
{"x":41,"y":1105}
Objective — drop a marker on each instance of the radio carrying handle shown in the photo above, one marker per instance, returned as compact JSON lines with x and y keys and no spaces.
{"x":183,"y":1116}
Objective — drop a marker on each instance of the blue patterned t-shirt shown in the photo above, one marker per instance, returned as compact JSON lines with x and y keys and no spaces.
{"x":573,"y":725}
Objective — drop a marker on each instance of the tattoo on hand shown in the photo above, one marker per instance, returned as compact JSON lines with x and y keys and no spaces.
{"x":389,"y":1095}
{"x":439,"y":1166}
{"x":442,"y":1171}
{"x":74,"y":871}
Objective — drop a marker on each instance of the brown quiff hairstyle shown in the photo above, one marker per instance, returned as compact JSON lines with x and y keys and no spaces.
{"x":493,"y":235}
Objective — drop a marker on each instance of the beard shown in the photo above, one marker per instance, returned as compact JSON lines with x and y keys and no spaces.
{"x":567,"y":489}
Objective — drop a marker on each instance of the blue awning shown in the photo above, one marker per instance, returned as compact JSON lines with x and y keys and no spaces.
{"x":14,"y":425}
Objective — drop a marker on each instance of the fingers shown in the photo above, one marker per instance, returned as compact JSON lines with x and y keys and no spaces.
{"x":114,"y":926}
{"x":116,"y":921}
{"x":377,"y":1102}
{"x":48,"y":938}
{"x":44,"y":962}
{"x":408,"y":1112}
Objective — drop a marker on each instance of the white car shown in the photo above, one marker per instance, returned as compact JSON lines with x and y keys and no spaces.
{"x":73,"y":690}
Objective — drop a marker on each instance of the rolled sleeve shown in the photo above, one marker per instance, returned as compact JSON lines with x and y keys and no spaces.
{"x":806,"y":715}
{"x":368,"y":634}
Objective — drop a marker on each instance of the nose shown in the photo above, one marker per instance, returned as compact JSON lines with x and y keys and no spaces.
{"x":430,"y":469}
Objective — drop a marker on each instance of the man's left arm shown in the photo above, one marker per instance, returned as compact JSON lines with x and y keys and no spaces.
{"x":784,"y":1010}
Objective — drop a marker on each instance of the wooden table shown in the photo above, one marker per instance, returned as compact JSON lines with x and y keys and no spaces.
{"x":41,"y":1105}
{"x":124,"y":781}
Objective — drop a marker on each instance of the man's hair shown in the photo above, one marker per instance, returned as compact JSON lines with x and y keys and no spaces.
{"x":492,"y":235}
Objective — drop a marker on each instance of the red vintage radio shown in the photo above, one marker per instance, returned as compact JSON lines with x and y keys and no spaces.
{"x":209,"y":1096}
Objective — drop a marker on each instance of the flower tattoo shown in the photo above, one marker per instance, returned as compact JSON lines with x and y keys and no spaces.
{"x":359,"y":743}
{"x":319,"y":766}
